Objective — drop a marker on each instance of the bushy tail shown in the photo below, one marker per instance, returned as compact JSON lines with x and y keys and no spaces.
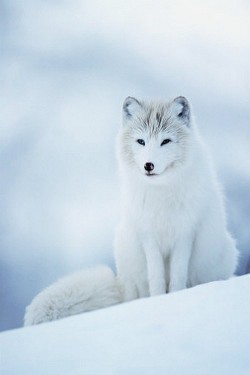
{"x":83,"y":291}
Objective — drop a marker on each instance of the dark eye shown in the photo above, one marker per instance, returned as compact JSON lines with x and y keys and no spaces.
{"x":141,"y":142}
{"x":165,"y":142}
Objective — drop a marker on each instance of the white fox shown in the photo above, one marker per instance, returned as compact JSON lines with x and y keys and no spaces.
{"x":172,"y":233}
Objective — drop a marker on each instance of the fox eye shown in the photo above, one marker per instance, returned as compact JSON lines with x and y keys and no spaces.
{"x":141,"y":142}
{"x":165,"y":142}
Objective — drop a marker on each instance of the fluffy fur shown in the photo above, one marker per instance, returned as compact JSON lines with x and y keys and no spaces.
{"x":83,"y":291}
{"x":172,"y":233}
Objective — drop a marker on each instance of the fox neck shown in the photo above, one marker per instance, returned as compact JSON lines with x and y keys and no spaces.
{"x":172,"y":186}
{"x":135,"y":186}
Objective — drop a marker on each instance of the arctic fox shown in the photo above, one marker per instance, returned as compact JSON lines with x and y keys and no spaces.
{"x":172,"y":232}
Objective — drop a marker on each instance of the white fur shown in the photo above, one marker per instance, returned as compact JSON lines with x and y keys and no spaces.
{"x":83,"y":291}
{"x":172,"y":233}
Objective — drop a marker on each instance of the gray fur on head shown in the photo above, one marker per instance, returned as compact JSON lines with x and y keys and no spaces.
{"x":143,"y":111}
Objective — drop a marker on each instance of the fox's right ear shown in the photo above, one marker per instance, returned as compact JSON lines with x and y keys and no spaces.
{"x":130,"y":107}
{"x":182,"y":109}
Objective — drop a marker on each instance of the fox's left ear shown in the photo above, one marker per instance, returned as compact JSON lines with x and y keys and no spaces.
{"x":130,"y":107}
{"x":182,"y":109}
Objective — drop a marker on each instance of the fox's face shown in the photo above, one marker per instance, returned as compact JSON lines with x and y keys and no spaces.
{"x":155,"y":137}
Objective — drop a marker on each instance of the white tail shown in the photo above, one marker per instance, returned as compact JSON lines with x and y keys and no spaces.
{"x":83,"y":291}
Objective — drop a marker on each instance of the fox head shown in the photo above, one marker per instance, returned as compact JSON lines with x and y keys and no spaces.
{"x":154,"y":137}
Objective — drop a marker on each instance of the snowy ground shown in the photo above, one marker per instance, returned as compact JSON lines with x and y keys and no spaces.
{"x":203,"y":330}
{"x":65,"y":69}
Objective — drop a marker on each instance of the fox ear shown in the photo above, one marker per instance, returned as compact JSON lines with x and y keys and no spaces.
{"x":182,"y":109}
{"x":130,"y":107}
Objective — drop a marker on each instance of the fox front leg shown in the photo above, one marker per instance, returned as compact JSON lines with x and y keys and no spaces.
{"x":179,"y":262}
{"x":155,"y":269}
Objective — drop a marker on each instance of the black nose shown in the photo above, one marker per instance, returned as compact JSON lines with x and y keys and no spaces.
{"x":149,"y":167}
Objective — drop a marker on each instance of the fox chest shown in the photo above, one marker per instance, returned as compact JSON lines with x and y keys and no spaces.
{"x":163,"y":219}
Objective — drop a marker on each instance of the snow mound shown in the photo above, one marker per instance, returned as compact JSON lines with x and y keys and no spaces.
{"x":203,"y":330}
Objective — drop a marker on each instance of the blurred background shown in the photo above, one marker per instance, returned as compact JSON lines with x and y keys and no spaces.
{"x":65,"y":69}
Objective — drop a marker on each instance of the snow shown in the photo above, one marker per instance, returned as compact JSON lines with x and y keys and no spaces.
{"x":203,"y":330}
